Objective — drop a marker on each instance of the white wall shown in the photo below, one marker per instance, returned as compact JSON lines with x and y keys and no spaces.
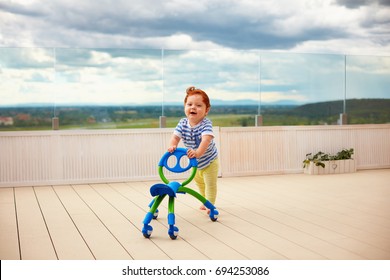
{"x":92,"y":156}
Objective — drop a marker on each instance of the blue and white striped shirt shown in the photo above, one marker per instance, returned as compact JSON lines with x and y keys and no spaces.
{"x":192,"y":137}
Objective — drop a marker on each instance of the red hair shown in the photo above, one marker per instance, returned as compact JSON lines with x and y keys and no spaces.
{"x":192,"y":91}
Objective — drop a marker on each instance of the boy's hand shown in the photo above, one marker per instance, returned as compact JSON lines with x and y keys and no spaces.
{"x":171,"y":149}
{"x":191,"y":153}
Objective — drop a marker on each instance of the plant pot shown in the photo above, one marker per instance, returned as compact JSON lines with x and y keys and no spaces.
{"x":331,"y":167}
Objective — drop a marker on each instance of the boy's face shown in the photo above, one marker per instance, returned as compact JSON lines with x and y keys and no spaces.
{"x":195,"y":109}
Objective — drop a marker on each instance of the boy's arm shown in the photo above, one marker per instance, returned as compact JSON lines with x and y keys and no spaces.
{"x":206,"y":140}
{"x":173,"y":143}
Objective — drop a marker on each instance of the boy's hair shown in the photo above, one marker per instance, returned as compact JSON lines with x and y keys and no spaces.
{"x":192,"y":91}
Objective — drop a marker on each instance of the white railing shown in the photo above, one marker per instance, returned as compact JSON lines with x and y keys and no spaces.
{"x":277,"y":150}
{"x":92,"y":156}
{"x":63,"y":157}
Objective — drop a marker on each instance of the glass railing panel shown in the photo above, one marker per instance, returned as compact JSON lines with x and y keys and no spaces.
{"x":301,"y":89}
{"x":230,"y":78}
{"x":368,"y":89}
{"x":108,"y":88}
{"x":127,"y":88}
{"x":26,"y":88}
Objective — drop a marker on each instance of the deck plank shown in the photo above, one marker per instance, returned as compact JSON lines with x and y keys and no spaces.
{"x":67,"y":240}
{"x":101,"y":242}
{"x":9,"y":240}
{"x":35,"y":240}
{"x":138,"y":246}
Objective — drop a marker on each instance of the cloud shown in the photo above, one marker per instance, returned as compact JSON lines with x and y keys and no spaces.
{"x":354,"y":4}
{"x":20,"y":9}
{"x":201,"y":24}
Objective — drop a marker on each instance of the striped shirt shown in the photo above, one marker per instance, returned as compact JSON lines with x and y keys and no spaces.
{"x":192,"y":137}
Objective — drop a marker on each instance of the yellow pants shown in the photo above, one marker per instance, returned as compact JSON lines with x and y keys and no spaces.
{"x":206,"y":180}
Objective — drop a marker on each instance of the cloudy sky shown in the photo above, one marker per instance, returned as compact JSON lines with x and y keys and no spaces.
{"x":337,"y":26}
{"x":301,"y":42}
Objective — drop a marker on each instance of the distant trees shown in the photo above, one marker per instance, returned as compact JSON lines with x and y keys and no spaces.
{"x":359,"y":111}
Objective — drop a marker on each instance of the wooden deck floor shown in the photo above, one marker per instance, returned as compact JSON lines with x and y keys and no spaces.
{"x":297,"y":216}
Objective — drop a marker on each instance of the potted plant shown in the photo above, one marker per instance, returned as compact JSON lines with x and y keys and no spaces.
{"x":325,"y":163}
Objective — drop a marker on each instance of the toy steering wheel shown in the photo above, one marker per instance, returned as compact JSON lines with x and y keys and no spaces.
{"x":178,"y":154}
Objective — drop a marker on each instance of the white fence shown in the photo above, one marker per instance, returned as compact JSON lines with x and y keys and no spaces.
{"x":278,"y":150}
{"x":70,"y":157}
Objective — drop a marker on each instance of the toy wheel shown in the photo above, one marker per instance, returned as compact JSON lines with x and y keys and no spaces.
{"x":147,"y":231}
{"x":155,"y":215}
{"x":214,"y":215}
{"x":173,"y":232}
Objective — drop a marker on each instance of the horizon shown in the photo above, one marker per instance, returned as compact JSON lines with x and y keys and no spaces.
{"x":177,"y":104}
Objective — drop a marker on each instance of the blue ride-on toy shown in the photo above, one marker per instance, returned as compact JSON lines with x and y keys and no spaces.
{"x":170,"y":189}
